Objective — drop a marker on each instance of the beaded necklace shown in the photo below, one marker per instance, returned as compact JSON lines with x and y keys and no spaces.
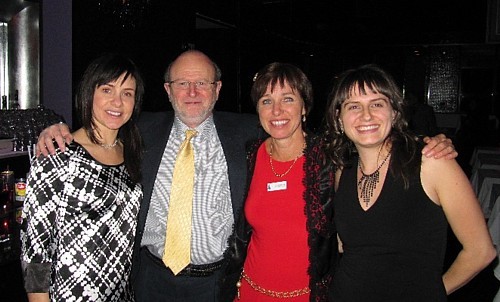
{"x":368,"y":182}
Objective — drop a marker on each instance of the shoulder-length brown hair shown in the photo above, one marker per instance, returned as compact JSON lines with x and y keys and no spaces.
{"x":371,"y":77}
{"x":102,"y":70}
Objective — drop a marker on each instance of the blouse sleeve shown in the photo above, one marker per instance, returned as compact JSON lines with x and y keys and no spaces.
{"x":39,"y":219}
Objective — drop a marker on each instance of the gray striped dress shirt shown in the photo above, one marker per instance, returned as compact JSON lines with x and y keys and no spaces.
{"x":212,"y":209}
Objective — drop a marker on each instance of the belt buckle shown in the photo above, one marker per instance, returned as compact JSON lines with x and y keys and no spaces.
{"x":187,"y":270}
{"x":193,"y":272}
{"x":202,"y":271}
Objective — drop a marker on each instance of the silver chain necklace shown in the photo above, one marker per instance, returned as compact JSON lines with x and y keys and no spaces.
{"x":109,"y":146}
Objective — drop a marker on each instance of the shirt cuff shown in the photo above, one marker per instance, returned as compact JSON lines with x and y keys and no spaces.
{"x":36,"y":277}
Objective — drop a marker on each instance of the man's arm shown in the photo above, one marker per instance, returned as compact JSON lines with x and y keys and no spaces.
{"x":437,"y":146}
{"x":58,"y":132}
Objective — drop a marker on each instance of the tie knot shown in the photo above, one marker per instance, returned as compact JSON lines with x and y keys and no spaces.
{"x":190,"y":134}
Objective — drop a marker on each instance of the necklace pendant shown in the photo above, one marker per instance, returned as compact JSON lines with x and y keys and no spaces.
{"x":368,"y":182}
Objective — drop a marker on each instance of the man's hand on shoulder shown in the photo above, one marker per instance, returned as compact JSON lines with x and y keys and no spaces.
{"x":58,"y":132}
{"x":439,"y":146}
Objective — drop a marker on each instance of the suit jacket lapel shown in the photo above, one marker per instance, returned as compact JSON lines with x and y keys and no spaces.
{"x":155,"y":139}
{"x":234,"y":150}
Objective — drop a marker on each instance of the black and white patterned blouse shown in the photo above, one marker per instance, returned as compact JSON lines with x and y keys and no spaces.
{"x":80,"y":221}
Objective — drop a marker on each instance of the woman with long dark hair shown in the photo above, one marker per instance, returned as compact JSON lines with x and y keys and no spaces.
{"x":81,"y":205}
{"x":392,"y":204}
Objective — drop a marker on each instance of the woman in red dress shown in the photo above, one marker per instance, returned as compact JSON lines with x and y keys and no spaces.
{"x":285,"y":241}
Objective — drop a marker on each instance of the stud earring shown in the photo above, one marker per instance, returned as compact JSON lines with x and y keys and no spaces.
{"x":304,"y":118}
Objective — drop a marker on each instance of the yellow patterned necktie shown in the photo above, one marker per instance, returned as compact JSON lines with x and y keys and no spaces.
{"x":177,"y":254}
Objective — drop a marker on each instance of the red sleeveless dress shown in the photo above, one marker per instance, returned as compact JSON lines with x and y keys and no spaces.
{"x":278,"y":252}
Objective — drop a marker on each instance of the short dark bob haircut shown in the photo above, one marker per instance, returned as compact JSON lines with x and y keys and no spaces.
{"x":279,"y":73}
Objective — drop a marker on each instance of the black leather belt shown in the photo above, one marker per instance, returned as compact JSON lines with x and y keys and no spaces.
{"x":192,"y":270}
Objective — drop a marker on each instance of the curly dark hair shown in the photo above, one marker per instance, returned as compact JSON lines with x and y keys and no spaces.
{"x":405,"y":155}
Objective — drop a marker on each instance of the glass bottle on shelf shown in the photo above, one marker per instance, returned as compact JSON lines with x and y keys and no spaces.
{"x":4,"y":102}
{"x":7,"y":191}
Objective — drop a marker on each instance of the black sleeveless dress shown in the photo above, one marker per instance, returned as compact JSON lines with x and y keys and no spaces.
{"x":395,"y":250}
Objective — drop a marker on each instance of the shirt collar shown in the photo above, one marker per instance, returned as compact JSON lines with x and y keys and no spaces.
{"x":205,"y":129}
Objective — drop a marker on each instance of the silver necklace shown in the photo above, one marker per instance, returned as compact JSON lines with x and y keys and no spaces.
{"x":109,"y":146}
{"x":368,"y":182}
{"x":272,"y":166}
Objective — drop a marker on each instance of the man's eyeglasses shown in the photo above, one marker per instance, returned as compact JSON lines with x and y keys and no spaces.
{"x":184,"y":85}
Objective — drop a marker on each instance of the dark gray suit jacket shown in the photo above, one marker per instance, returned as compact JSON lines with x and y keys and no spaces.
{"x":234,"y":130}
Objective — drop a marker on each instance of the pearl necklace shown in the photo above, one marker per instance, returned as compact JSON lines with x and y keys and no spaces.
{"x":291,"y":166}
{"x":368,"y":182}
{"x":109,"y":146}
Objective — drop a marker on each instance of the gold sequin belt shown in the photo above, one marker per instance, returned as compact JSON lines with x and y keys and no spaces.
{"x":271,"y":293}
